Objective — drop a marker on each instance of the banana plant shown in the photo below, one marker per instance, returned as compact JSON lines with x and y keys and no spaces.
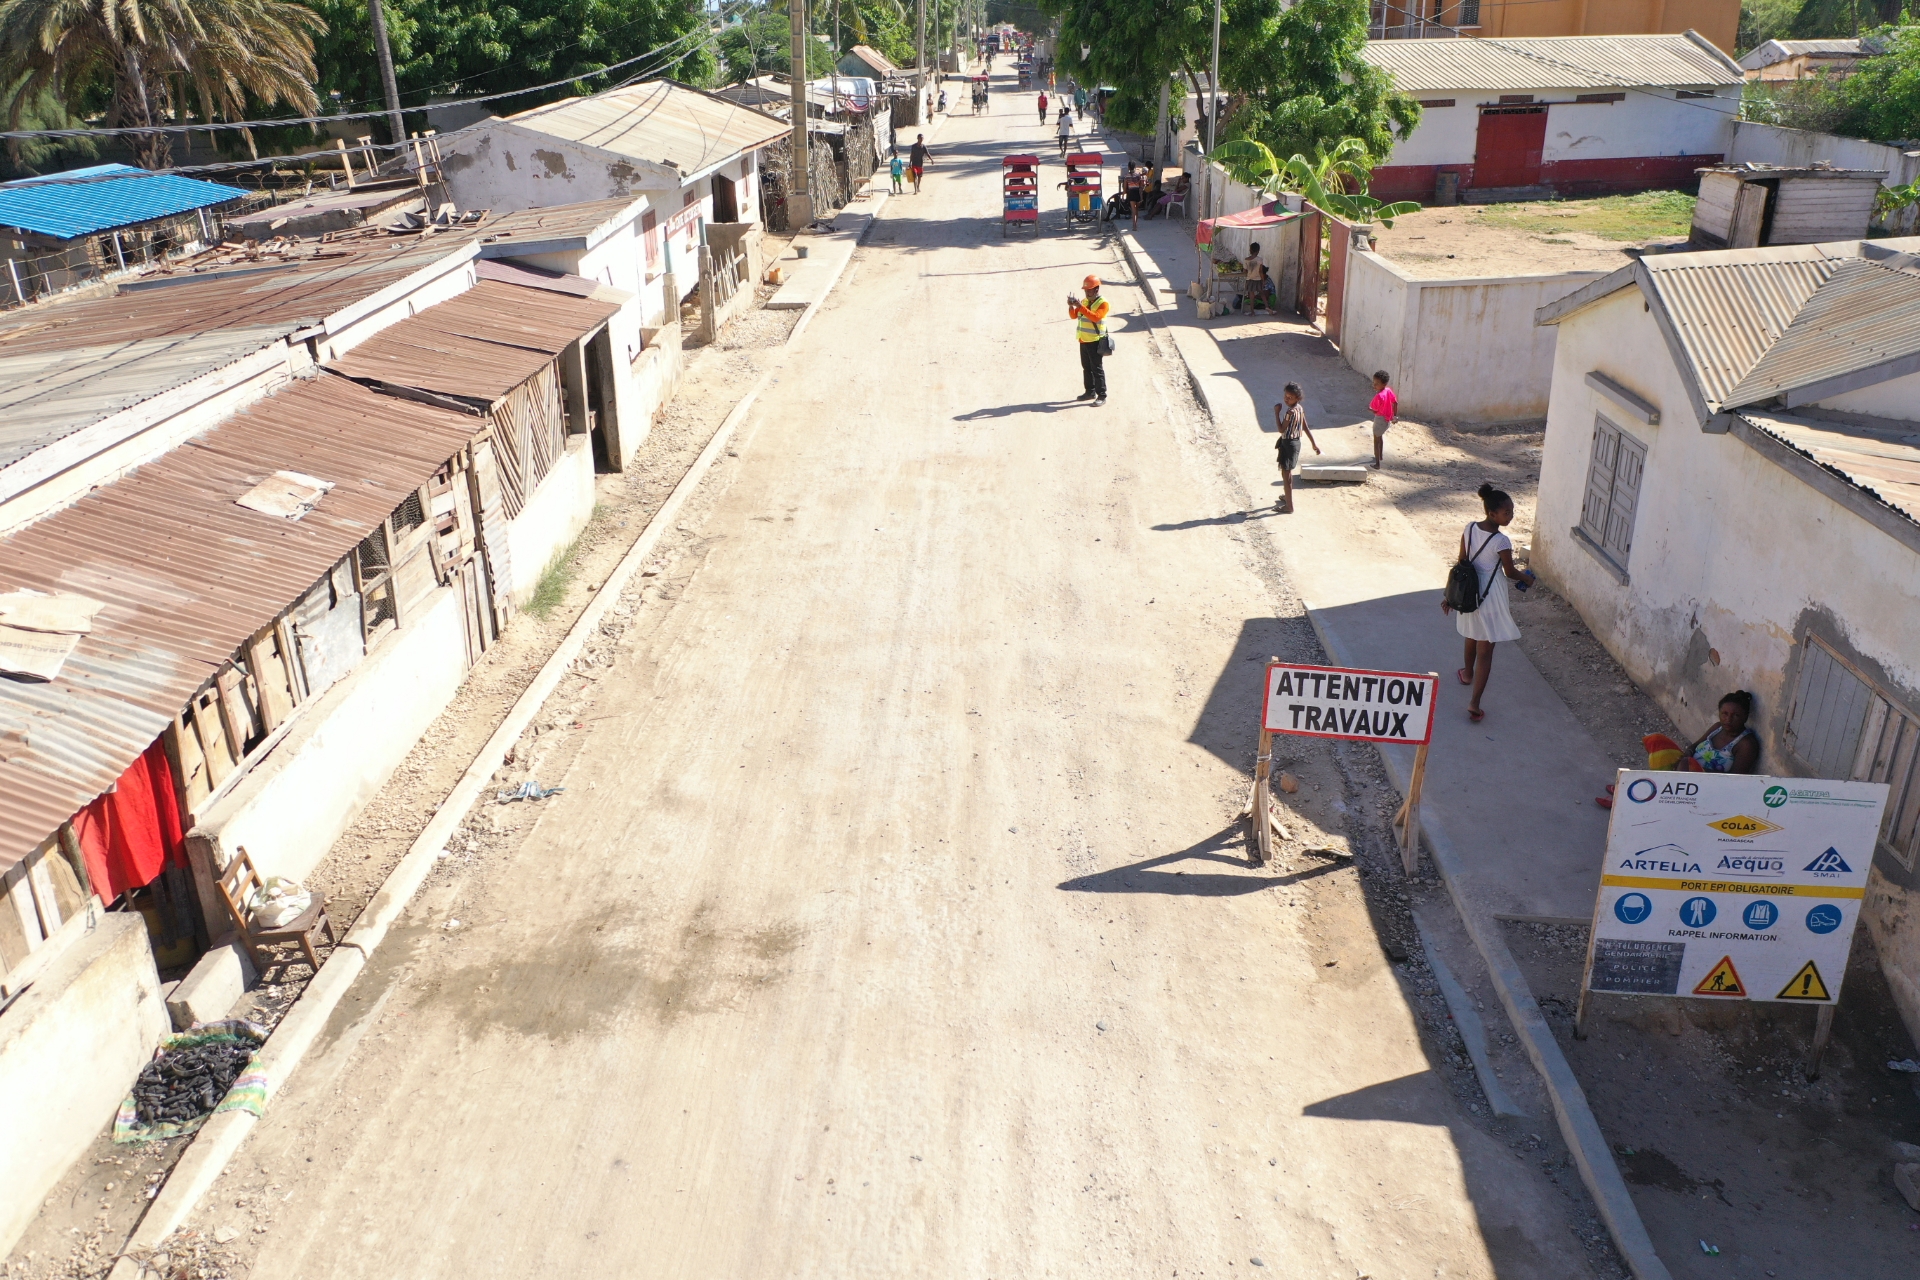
{"x":1334,"y":180}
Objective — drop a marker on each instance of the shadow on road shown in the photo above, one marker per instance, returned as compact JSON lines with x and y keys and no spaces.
{"x":1145,"y":877}
{"x":1232,"y":517}
{"x":1008,"y":410}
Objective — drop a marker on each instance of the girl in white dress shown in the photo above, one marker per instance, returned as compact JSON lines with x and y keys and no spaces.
{"x":1487,"y":548}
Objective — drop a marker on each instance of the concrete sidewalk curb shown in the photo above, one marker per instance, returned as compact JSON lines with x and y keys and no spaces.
{"x":214,"y":1147}
{"x":1578,"y":1127}
{"x":1581,"y":1131}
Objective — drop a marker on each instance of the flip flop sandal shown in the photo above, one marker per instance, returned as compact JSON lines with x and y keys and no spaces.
{"x":1466,"y":676}
{"x":1605,"y":802}
{"x":1476,"y":716}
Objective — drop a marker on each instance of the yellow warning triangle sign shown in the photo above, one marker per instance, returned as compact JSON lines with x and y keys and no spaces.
{"x":1721,"y":980}
{"x":1806,"y":985}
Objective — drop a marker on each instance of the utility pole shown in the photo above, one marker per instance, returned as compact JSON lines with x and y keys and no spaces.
{"x":1213,"y":109}
{"x":799,"y":200}
{"x":920,"y":54}
{"x":385,"y":52}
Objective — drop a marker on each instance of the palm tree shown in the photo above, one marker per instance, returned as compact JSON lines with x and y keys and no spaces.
{"x":155,"y":59}
{"x":1334,"y":180}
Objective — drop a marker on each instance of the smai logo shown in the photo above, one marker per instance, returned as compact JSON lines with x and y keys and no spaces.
{"x":1830,"y":863}
{"x":1774,"y":797}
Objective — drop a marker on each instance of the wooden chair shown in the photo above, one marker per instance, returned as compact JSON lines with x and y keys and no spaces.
{"x":238,"y":883}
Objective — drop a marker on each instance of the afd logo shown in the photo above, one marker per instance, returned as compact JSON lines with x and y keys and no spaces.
{"x":1641,"y":790}
{"x":1830,"y":863}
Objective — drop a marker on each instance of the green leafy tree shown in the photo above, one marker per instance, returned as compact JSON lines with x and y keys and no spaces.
{"x":1334,"y":179}
{"x":1881,"y":99}
{"x":1323,"y":91}
{"x":763,"y":42}
{"x":157,"y":61}
{"x":465,"y":48}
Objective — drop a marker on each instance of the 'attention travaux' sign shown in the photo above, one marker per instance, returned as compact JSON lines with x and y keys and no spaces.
{"x":1335,"y":702}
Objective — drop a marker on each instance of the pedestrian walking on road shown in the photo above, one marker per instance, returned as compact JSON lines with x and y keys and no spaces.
{"x":1043,"y":108}
{"x":1484,"y":546}
{"x":1065,"y":130}
{"x":917,"y":159}
{"x":1385,"y":407}
{"x":897,"y":169}
{"x":1290,"y":419}
{"x":1092,"y":333}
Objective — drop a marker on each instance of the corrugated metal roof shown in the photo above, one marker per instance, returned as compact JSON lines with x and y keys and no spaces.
{"x":588,"y":222}
{"x":1774,"y":51}
{"x":80,"y":202}
{"x":479,"y":345}
{"x":188,"y":575}
{"x":1728,"y":313}
{"x":47,"y":395}
{"x":1553,"y":62}
{"x":1866,"y":314}
{"x":65,"y":365}
{"x":875,"y":59}
{"x":659,"y":122}
{"x":1882,"y":458}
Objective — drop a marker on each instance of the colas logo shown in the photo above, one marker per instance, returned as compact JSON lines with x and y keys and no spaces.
{"x":1742,"y":827}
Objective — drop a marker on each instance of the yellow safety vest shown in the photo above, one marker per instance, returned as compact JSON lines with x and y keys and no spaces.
{"x":1091,"y":316}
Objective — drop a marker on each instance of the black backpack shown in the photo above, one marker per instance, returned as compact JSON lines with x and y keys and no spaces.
{"x":1463,"y":581}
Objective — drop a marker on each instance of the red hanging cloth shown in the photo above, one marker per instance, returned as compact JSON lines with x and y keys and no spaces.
{"x":132,"y":833}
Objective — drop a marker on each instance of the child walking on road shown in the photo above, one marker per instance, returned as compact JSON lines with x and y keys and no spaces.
{"x":898,"y":169}
{"x":1385,"y":407}
{"x":1290,"y":419}
{"x":1484,"y":546}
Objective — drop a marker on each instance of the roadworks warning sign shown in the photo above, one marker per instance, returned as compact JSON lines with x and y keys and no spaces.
{"x":1805,"y":985}
{"x":1722,"y":980}
{"x":1735,"y":886}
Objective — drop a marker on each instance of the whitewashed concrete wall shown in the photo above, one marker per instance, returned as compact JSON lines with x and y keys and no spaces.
{"x":69,"y":1049}
{"x":1800,"y":148}
{"x":1647,"y":123}
{"x":553,"y":517}
{"x":1697,"y":583}
{"x":288,"y":811}
{"x":1461,"y":350}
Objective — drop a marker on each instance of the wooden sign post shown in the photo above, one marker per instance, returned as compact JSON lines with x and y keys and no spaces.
{"x":1361,"y":706}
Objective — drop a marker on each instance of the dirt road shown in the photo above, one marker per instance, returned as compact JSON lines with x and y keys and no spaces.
{"x":894,"y":919}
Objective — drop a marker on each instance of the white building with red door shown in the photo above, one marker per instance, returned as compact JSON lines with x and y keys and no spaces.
{"x":1562,"y":115}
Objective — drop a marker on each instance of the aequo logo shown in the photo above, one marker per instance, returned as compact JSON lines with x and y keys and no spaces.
{"x":1774,"y":797}
{"x":1742,"y":827}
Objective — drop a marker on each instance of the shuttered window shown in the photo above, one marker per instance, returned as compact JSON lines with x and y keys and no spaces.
{"x":1843,"y":726}
{"x":1614,"y":469}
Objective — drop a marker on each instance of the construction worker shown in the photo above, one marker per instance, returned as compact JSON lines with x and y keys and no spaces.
{"x":1092,"y":332}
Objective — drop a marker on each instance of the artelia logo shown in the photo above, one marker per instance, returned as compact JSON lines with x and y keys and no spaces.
{"x":1641,"y":790}
{"x":1742,"y":827}
{"x":1830,"y":863}
{"x":1774,"y":797}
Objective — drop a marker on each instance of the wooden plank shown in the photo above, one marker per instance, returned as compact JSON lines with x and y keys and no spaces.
{"x":184,"y":747}
{"x":270,"y":678}
{"x":290,"y":655}
{"x":237,"y":717}
{"x":210,"y":723}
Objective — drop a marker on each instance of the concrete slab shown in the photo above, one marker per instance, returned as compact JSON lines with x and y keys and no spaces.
{"x":811,"y":278}
{"x":214,"y":986}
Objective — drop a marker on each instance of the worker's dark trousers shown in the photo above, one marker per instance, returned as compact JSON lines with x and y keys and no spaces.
{"x":1093,"y":372}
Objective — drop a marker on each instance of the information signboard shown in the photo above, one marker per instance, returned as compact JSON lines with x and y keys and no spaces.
{"x":1340,"y":702}
{"x":1343,"y":702}
{"x":1732,"y":886}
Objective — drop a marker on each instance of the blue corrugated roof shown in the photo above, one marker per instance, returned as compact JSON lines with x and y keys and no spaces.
{"x":103,"y":197}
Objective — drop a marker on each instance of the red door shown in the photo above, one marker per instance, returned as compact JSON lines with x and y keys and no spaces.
{"x":1507,"y":152}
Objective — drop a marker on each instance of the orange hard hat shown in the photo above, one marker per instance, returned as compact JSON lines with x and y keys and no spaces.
{"x":1091,"y":282}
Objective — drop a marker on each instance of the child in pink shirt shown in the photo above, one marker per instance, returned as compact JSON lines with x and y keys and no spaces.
{"x":1385,"y":407}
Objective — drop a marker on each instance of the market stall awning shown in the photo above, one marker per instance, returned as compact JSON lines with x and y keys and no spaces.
{"x":1270,"y":214}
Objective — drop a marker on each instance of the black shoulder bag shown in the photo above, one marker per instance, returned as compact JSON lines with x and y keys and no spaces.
{"x":1463,"y":581}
